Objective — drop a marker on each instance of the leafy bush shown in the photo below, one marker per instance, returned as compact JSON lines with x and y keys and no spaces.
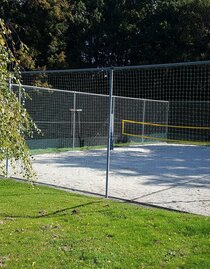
{"x":15,"y":122}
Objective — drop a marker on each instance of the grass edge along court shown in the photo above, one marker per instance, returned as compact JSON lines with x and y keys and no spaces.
{"x":46,"y":228}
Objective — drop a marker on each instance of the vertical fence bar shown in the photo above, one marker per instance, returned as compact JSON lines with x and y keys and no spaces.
{"x":143,"y":120}
{"x":19,"y":94}
{"x":7,"y":160}
{"x":7,"y":167}
{"x":74,"y":121}
{"x":112,"y":123}
{"x":167,"y":119}
{"x":109,"y":131}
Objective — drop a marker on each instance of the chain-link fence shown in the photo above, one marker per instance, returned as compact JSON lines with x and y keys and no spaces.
{"x":155,"y":118}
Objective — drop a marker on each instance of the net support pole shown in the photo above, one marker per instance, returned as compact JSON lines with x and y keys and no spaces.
{"x":7,"y":160}
{"x":74,"y":121}
{"x":112,"y":123}
{"x":143,"y":120}
{"x":109,"y":132}
{"x":167,"y":119}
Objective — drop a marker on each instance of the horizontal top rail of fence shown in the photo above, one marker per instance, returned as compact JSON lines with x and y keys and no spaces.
{"x":116,"y":68}
{"x":85,"y":93}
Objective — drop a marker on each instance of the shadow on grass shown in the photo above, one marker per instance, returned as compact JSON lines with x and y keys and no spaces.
{"x":55,"y":213}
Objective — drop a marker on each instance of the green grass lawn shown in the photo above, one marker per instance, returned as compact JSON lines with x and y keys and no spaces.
{"x":45,"y":228}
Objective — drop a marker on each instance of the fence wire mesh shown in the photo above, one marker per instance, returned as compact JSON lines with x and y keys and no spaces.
{"x":66,"y":119}
{"x":160,"y":130}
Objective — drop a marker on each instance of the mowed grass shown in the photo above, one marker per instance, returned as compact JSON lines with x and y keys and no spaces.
{"x":42,"y":227}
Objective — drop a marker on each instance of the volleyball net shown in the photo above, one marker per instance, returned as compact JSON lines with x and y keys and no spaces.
{"x":150,"y":131}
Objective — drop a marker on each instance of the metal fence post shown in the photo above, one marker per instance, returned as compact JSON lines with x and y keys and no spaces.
{"x":167,"y":119}
{"x":7,"y":167}
{"x":7,"y":160}
{"x":74,"y":120}
{"x":112,"y":122}
{"x":19,"y":94}
{"x":109,"y":131}
{"x":143,"y":120}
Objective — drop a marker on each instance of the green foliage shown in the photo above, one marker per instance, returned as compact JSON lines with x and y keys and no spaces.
{"x":123,"y":32}
{"x":15,"y":122}
{"x":85,"y":33}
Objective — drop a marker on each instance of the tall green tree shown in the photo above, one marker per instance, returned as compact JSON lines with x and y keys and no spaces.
{"x":129,"y":32}
{"x":175,"y":31}
{"x":15,"y":123}
{"x":42,"y":25}
{"x":94,"y":33}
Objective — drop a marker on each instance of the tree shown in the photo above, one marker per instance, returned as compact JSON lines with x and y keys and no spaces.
{"x":42,"y":25}
{"x":173,"y":31}
{"x":95,"y":33}
{"x":15,"y":123}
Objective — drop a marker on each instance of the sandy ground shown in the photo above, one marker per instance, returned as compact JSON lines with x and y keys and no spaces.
{"x":172,"y":176}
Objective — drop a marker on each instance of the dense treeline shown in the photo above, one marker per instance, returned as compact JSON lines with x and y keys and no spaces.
{"x":95,"y":33}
